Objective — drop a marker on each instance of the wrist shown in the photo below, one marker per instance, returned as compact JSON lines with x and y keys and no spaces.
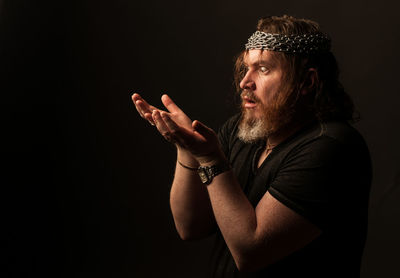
{"x":212,"y":168}
{"x":214,"y":158}
{"x":186,"y":158}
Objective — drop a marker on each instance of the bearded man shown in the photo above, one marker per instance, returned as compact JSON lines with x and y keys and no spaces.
{"x":285,"y":183}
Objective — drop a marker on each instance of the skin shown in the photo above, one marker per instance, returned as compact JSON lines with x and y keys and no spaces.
{"x":256,"y":237}
{"x":262,"y":78}
{"x":263,"y":81}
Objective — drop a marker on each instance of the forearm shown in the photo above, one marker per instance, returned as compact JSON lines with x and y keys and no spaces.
{"x":235,"y":216}
{"x":189,"y":200}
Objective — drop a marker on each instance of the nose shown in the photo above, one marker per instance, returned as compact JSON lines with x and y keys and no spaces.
{"x":247,"y":82}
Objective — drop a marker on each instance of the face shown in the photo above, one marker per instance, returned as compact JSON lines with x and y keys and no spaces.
{"x":260,"y":89}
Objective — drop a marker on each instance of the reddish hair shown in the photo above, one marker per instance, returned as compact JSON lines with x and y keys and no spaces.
{"x":329,"y":99}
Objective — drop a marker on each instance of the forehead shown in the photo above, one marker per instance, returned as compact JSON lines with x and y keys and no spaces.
{"x":258,"y":56}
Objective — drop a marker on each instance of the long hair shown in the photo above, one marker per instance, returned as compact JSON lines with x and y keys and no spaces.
{"x":329,"y":99}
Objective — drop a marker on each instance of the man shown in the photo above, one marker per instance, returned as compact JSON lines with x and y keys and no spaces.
{"x":285,"y":184}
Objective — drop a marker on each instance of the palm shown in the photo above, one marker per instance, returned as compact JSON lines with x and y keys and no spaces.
{"x":181,"y":119}
{"x":177,"y":127}
{"x":177,"y":115}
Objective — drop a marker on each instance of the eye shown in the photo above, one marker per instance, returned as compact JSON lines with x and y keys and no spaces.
{"x":264,"y":69}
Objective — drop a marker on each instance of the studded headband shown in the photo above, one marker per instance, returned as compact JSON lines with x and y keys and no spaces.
{"x":304,"y":44}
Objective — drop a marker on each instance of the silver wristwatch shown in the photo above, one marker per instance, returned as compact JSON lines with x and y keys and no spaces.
{"x":207,"y":173}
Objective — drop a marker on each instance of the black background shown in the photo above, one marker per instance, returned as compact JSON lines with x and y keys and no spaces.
{"x":85,"y":181}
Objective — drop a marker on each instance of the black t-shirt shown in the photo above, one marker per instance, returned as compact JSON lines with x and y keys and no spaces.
{"x":323,"y":172}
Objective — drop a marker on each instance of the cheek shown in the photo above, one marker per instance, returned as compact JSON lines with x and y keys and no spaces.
{"x":266,"y":91}
{"x":270,"y":86}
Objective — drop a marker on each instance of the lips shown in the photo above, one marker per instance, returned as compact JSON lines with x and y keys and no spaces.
{"x":248,"y":102}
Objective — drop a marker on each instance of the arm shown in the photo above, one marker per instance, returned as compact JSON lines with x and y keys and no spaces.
{"x":189,"y":200}
{"x":261,"y":236}
{"x":257,"y":236}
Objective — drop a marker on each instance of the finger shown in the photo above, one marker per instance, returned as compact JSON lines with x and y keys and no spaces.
{"x":148,"y":106}
{"x":143,"y":107}
{"x":137,"y":101}
{"x":180,"y":135}
{"x":172,"y":126}
{"x":161,"y":125}
{"x":177,"y":133}
{"x":143,"y":114}
{"x":169,"y":104}
{"x":140,"y":111}
{"x":145,"y":111}
{"x":203,"y":130}
{"x":136,"y":97}
{"x":149,"y":118}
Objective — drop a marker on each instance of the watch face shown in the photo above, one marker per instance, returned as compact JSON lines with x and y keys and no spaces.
{"x":203,"y":175}
{"x":207,"y":173}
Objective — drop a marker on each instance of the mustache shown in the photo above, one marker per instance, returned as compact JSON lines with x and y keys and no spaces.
{"x":249,"y":95}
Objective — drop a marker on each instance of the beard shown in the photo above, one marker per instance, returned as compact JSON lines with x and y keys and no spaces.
{"x":252,"y":129}
{"x":274,"y":116}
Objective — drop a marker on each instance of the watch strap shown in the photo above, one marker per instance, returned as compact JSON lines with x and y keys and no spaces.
{"x":207,"y":173}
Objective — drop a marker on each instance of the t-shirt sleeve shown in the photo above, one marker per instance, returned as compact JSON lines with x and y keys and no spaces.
{"x":312,"y":179}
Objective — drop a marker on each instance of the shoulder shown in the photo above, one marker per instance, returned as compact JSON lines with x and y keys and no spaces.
{"x":332,"y":138}
{"x":323,"y":165}
{"x":322,"y":156}
{"x":340,"y":141}
{"x":341,"y":132}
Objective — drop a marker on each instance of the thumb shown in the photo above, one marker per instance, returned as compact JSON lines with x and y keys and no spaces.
{"x":202,"y":129}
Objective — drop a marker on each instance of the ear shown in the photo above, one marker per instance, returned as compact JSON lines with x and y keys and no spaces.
{"x":310,"y":80}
